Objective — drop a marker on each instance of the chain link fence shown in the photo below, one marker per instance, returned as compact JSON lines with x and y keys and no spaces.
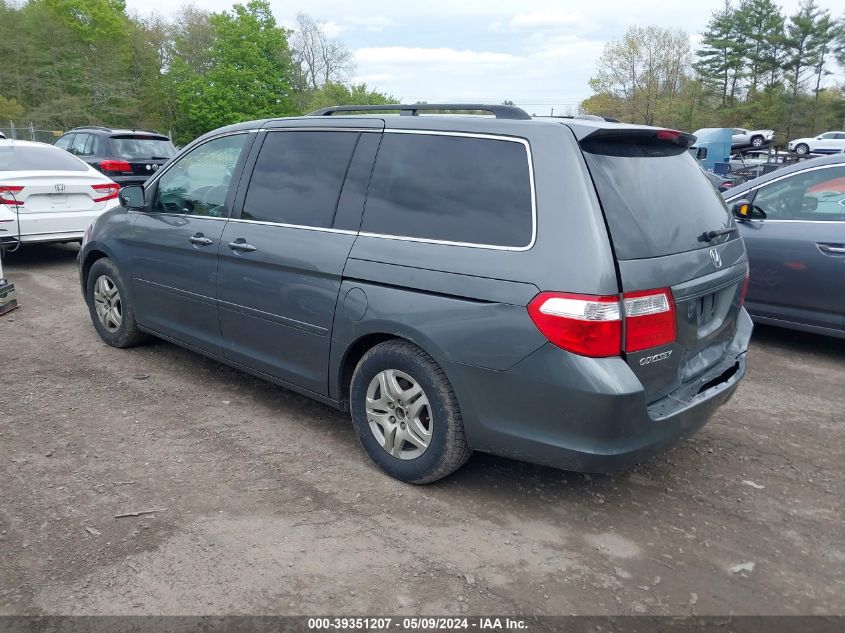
{"x":28,"y":132}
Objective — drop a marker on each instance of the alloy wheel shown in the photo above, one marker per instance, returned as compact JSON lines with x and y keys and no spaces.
{"x":399,"y":414}
{"x":107,"y":303}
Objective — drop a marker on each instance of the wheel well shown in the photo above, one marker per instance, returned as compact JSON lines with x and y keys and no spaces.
{"x":353,"y":355}
{"x":90,"y":258}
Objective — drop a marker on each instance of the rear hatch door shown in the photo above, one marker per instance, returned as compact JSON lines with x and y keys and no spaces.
{"x":145,"y":153}
{"x":670,"y":230}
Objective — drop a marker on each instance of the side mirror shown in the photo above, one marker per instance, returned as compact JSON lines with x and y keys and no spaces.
{"x":744,"y":210}
{"x":132,"y":197}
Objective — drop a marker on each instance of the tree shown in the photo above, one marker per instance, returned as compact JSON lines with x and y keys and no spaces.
{"x":720,"y":58}
{"x":646,"y":67}
{"x":319,"y":59}
{"x":762,"y":26}
{"x":248,"y":73}
{"x":332,"y":93}
{"x":806,"y":48}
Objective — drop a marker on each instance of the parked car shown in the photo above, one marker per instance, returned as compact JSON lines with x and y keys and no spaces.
{"x":129,"y":157}
{"x":794,"y":230}
{"x":722,"y":183}
{"x":47,"y":195}
{"x":450,"y":280}
{"x":751,"y":138}
{"x":827,"y":143}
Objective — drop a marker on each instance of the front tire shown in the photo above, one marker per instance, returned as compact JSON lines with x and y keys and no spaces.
{"x":110,"y":306}
{"x":802,"y":149}
{"x":406,"y":415}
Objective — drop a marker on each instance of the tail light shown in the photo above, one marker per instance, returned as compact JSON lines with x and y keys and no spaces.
{"x":583,"y":324}
{"x":115,"y":165}
{"x":591,"y":325}
{"x":745,"y":283}
{"x":649,"y":319}
{"x":7,"y":195}
{"x":108,"y":191}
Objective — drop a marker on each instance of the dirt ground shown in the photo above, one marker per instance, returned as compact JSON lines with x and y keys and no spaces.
{"x":267,"y":505}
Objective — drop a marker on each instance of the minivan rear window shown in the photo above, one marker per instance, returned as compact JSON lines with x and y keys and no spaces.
{"x":451,"y":188}
{"x":655,"y":199}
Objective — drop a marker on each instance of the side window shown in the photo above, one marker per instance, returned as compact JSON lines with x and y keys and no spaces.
{"x":451,"y":188}
{"x":298,"y":177}
{"x":817,"y":194}
{"x":197,"y":184}
{"x":65,"y":141}
{"x":77,"y":148}
{"x":827,"y":135}
{"x":91,"y":145}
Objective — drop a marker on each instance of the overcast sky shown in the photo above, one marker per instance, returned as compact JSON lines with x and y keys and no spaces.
{"x":538,"y":54}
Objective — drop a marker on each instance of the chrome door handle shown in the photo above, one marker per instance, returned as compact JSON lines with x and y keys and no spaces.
{"x":200,"y":240}
{"x":241,"y":246}
{"x":831,"y":249}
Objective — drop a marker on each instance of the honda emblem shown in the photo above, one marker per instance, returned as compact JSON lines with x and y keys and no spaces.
{"x":60,"y":188}
{"x":715,"y":258}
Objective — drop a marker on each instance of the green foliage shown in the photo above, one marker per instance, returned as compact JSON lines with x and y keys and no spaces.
{"x":248,"y":74}
{"x":75,"y":62}
{"x":333,"y":93}
{"x":755,"y":68}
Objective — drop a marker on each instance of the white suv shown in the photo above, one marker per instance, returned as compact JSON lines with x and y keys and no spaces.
{"x":827,"y":143}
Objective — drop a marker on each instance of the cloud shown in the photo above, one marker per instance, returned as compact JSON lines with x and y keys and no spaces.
{"x":548,"y":18}
{"x":373,"y":23}
{"x":373,"y":78}
{"x":333,"y":29}
{"x":419,"y":55}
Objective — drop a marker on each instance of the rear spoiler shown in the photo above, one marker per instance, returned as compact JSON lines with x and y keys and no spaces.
{"x":624,"y":133}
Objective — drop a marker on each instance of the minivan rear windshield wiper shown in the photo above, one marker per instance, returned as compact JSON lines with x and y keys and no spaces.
{"x":709,"y":236}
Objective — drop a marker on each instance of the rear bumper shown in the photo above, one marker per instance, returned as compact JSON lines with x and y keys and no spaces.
{"x":586,"y":414}
{"x":50,"y":226}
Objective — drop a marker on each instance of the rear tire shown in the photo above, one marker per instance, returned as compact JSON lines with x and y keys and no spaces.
{"x":802,"y":149}
{"x":406,"y":415}
{"x":757,"y":141}
{"x":110,"y":306}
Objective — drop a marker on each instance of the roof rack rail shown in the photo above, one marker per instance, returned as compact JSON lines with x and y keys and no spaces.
{"x":91,"y":127}
{"x":500,"y":111}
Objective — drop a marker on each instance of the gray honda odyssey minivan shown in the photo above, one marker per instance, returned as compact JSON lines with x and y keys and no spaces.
{"x":562,"y":291}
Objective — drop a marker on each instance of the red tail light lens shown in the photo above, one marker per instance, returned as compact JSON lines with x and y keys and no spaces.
{"x":7,"y":195}
{"x":116,"y":165}
{"x":591,"y":325}
{"x":745,"y":283}
{"x":108,"y":191}
{"x":668,"y":135}
{"x":584,"y":324}
{"x":649,"y":319}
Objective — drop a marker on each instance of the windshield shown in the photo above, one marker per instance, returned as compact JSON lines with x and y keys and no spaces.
{"x":34,"y":158}
{"x":142,"y":148}
{"x":655,"y":198}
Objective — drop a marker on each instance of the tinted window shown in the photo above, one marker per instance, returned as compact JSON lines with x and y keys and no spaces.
{"x":298,"y":177}
{"x":142,"y":148}
{"x":197,"y":184}
{"x":35,"y":158}
{"x":817,"y":194}
{"x":654,"y":196}
{"x":828,"y":135}
{"x":65,"y":141}
{"x":79,"y":144}
{"x":451,"y":188}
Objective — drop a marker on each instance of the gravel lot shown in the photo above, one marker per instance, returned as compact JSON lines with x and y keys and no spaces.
{"x":269,"y":506}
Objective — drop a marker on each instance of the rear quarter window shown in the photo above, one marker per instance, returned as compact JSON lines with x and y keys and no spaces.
{"x":451,"y":188}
